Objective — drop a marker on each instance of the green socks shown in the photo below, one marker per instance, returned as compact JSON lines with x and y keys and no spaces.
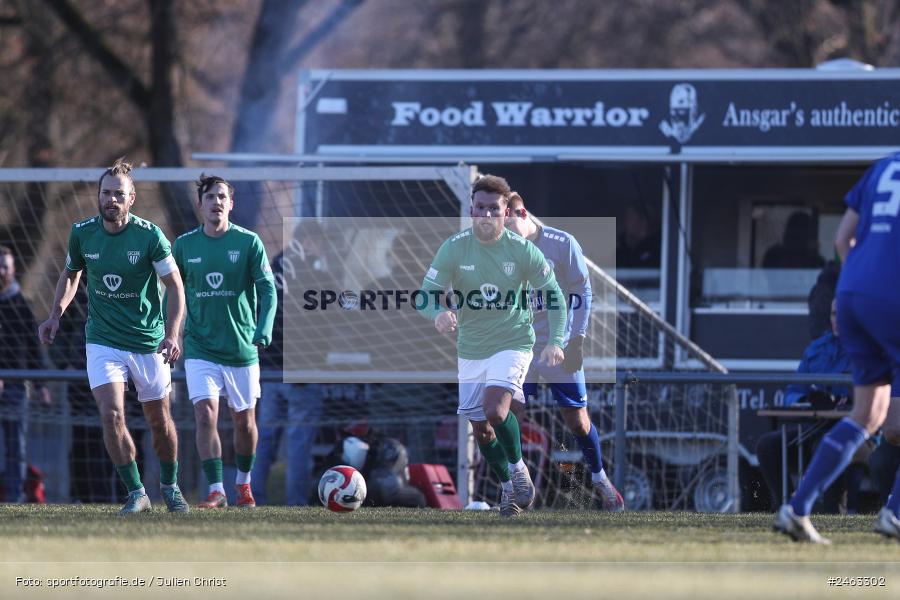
{"x":510,"y":439}
{"x":212,"y":468}
{"x":168,"y":472}
{"x":130,"y":476}
{"x":244,"y":463}
{"x":496,"y":458}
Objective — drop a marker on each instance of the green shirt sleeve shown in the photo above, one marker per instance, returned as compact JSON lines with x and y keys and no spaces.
{"x":74,"y":258}
{"x":259,"y":262}
{"x":160,"y":248}
{"x":437,"y":279}
{"x":544,"y":282}
{"x":264,"y":281}
{"x":268,"y":303}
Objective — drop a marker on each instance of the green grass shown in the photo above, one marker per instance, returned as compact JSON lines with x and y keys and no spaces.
{"x":311,"y":553}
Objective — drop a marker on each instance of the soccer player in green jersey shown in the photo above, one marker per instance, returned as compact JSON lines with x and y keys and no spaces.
{"x":124,"y":257}
{"x":487,"y":268}
{"x":226,"y":272}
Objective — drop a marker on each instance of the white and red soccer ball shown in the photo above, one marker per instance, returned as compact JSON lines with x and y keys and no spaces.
{"x":342,"y":489}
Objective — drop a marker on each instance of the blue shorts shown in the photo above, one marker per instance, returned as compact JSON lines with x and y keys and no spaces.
{"x":869,"y":330}
{"x":568,"y":389}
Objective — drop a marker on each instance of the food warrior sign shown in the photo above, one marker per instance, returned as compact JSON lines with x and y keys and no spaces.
{"x":554,"y":114}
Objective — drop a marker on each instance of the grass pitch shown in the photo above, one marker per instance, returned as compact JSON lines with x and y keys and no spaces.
{"x":400,"y":553}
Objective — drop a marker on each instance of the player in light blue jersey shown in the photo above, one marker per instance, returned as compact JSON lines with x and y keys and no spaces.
{"x":566,"y":380}
{"x":868,"y":241}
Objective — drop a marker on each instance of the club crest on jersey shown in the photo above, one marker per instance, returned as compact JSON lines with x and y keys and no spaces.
{"x":214,"y":280}
{"x":509,"y":268}
{"x":134,"y":256}
{"x":112,"y":281}
{"x":490,"y":291}
{"x":234,"y":255}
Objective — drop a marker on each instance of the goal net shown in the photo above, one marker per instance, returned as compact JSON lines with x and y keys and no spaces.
{"x":378,"y":227}
{"x":669,"y":439}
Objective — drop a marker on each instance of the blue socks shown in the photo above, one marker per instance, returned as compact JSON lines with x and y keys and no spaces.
{"x":893,"y":503}
{"x":834,"y":453}
{"x":590,"y":448}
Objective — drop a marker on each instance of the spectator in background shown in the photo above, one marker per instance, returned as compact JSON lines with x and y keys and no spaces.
{"x":640,"y":241}
{"x":798,"y":248}
{"x":820,"y":298}
{"x":290,"y":407}
{"x":823,"y":355}
{"x":19,"y":349}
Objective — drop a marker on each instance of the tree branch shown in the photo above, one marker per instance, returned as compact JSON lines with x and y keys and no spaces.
{"x":90,"y":38}
{"x":296,"y":54}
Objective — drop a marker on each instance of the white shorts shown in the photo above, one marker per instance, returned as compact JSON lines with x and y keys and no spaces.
{"x":209,"y":380}
{"x":506,"y":369}
{"x":152,"y":377}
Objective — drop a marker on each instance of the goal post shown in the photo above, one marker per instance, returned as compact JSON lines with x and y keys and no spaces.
{"x":40,"y":205}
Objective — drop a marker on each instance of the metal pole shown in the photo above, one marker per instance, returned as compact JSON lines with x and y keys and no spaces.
{"x":734,"y":483}
{"x":465,"y":456}
{"x":784,"y":464}
{"x":620,"y":470}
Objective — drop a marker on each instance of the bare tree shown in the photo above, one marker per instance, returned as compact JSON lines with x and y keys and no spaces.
{"x":872,"y":28}
{"x":154,"y":101}
{"x":271,"y":58}
{"x":39,"y":98}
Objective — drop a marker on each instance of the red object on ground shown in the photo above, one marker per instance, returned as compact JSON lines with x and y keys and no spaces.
{"x":434,"y":481}
{"x":34,"y":485}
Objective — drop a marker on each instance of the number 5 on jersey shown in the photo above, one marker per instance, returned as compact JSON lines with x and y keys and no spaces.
{"x":888,"y":185}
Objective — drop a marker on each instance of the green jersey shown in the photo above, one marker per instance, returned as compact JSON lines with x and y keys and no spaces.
{"x":489,"y":285}
{"x":123,"y":289}
{"x":221,"y":275}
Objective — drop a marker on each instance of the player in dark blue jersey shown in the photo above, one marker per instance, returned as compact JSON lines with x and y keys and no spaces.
{"x":868,"y":241}
{"x":566,"y":380}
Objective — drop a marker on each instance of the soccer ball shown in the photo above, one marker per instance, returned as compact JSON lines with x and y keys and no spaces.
{"x":348,"y":300}
{"x":342,"y":489}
